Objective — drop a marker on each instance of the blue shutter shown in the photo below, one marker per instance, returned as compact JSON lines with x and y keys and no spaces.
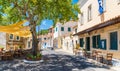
{"x":98,"y":41}
{"x":94,"y":41}
{"x":113,"y":41}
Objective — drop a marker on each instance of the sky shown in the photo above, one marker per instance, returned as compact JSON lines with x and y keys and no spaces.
{"x":46,"y":24}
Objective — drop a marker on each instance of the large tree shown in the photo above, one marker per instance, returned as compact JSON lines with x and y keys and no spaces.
{"x":35,"y":11}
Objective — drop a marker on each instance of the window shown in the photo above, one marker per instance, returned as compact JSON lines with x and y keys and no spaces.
{"x":76,"y":30}
{"x":82,"y":19}
{"x":81,"y":42}
{"x":62,"y":28}
{"x":56,"y":29}
{"x":89,"y":13}
{"x":28,"y":44}
{"x":11,"y":36}
{"x":17,"y":38}
{"x":76,"y":41}
{"x":44,"y":38}
{"x":69,"y":29}
{"x":96,"y":41}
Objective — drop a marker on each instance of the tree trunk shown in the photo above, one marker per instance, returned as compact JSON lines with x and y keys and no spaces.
{"x":34,"y":39}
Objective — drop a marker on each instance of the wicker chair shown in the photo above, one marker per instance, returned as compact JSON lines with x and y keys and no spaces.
{"x":108,"y":58}
{"x":94,"y":54}
{"x":99,"y":56}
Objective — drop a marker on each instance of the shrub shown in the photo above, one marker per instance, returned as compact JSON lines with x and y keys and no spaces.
{"x":32,"y":57}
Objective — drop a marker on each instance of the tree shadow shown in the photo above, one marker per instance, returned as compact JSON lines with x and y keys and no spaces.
{"x":52,"y":62}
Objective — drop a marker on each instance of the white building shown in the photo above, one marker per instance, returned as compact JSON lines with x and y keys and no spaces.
{"x":60,"y":30}
{"x":99,"y":26}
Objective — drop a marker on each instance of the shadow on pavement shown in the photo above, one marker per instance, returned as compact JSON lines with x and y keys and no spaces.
{"x":52,"y":62}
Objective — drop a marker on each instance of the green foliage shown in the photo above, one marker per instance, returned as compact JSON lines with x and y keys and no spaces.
{"x":39,"y":55}
{"x":37,"y":10}
{"x":43,"y":32}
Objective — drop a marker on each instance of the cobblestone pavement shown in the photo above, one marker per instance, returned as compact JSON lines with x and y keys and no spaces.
{"x":53,"y":61}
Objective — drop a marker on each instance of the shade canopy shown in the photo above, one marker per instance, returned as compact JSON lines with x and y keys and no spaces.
{"x":17,"y":29}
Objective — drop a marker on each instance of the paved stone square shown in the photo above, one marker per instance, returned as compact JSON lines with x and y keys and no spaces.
{"x":53,"y":61}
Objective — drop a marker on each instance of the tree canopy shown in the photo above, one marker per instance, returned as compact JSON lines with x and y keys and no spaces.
{"x":12,"y":11}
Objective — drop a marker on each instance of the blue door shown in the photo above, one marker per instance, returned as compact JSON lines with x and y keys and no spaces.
{"x":113,"y":41}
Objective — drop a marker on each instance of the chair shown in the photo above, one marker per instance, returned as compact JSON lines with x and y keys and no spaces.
{"x":109,"y":58}
{"x":8,"y":55}
{"x":87,"y":54}
{"x":94,"y":54}
{"x":99,"y":56}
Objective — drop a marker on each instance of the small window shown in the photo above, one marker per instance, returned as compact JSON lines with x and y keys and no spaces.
{"x":76,"y":30}
{"x":56,"y":29}
{"x":29,"y":44}
{"x":76,"y":41}
{"x":62,"y":28}
{"x":69,"y":29}
{"x":82,"y":19}
{"x":11,"y":36}
{"x":17,"y":38}
{"x":89,"y":13}
{"x":81,"y":42}
{"x":44,"y":38}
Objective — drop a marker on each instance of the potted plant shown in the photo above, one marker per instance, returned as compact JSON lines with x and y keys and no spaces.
{"x":30,"y":57}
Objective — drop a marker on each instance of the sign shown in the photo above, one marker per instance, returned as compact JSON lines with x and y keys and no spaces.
{"x":103,"y":44}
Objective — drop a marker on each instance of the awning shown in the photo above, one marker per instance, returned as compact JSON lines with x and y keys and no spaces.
{"x":17,"y":29}
{"x":101,"y":25}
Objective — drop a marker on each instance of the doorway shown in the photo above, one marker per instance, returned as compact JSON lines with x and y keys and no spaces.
{"x":88,"y":43}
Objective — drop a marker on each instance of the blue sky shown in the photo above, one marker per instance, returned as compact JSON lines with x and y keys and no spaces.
{"x":45,"y":24}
